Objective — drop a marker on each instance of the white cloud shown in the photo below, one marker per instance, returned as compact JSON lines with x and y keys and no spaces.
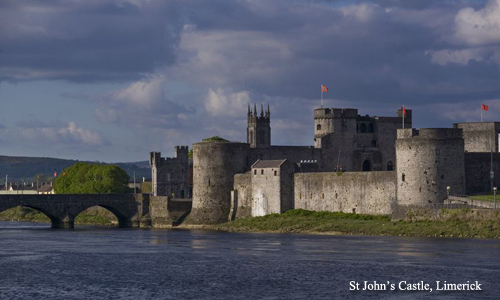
{"x":70,"y":135}
{"x":222,"y":57}
{"x":143,"y":93}
{"x":362,"y":12}
{"x":477,"y":35}
{"x":141,"y":104}
{"x":219,"y":103}
{"x":481,"y":27}
{"x":444,"y":57}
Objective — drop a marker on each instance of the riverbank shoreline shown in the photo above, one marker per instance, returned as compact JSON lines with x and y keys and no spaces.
{"x":459,"y":225}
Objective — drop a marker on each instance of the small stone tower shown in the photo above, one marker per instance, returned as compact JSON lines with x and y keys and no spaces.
{"x":259,"y":128}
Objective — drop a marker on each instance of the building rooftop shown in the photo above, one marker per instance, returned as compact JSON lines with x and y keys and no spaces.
{"x":268,"y":163}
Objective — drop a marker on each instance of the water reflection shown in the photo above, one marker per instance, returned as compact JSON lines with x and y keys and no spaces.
{"x":88,"y":263}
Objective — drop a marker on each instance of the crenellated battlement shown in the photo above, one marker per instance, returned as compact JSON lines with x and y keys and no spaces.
{"x":335,"y":113}
{"x":430,"y":133}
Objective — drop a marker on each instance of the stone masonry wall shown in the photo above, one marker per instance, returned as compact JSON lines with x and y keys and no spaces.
{"x":429,"y":160}
{"x":158,"y":211}
{"x":480,"y":137}
{"x":360,"y":192}
{"x":214,"y":167}
{"x":243,"y":188}
{"x":266,"y":191}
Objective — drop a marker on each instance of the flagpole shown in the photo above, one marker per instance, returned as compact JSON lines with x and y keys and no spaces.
{"x":321,"y":96}
{"x":481,"y":112}
{"x":403,"y":116}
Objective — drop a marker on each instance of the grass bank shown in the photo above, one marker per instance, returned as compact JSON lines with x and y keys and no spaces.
{"x":488,"y":197}
{"x":303,"y":221}
{"x":25,"y":214}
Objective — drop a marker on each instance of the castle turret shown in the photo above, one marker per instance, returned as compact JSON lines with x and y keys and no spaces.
{"x":427,"y":161}
{"x":181,"y":152}
{"x":259,"y":128}
{"x":330,"y":120}
{"x":214,"y":166}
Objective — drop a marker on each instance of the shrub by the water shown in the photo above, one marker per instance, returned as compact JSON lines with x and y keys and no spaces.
{"x":85,"y":178}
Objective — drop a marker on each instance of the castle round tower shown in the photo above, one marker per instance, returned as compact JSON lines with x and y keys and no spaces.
{"x":427,"y":161}
{"x":214,"y":166}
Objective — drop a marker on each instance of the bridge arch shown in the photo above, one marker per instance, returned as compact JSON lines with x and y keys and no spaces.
{"x":124,"y":221}
{"x":53,"y":219}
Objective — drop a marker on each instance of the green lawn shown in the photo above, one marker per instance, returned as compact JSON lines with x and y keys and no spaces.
{"x":302,"y":221}
{"x":488,"y":197}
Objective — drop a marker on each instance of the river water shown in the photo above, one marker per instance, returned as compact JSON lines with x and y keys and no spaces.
{"x":91,"y":263}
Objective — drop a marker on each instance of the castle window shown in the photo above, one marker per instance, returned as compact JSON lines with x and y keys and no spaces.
{"x":390,"y":167}
{"x":403,"y":177}
{"x":363,"y":128}
{"x":374,"y":143}
{"x":275,"y":173}
{"x":254,"y":172}
{"x":318,"y":127}
{"x":262,"y":172}
{"x":370,"y":128}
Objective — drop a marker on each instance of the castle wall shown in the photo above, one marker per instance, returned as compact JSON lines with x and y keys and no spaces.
{"x":429,"y":160}
{"x":477,"y":172}
{"x":480,"y":137}
{"x":335,"y":145}
{"x":360,"y":192}
{"x":243,"y":188}
{"x":287,"y":175}
{"x":214,"y":166}
{"x":386,"y":138}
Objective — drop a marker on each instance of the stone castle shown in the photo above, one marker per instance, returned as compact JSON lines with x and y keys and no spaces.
{"x":359,"y":164}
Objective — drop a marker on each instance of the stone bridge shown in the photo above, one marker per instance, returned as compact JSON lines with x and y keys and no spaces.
{"x":131,"y":210}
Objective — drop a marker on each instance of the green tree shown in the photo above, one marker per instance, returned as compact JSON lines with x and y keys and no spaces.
{"x":85,"y":178}
{"x":215,"y":139}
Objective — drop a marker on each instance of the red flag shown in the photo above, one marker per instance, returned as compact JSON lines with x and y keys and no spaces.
{"x":324,"y":89}
{"x":484,"y":107}
{"x":404,"y":111}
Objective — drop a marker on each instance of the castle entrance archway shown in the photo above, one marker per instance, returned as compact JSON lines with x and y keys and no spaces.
{"x":367,"y":166}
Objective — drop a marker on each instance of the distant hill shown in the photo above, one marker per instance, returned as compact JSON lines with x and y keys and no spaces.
{"x":25,"y":168}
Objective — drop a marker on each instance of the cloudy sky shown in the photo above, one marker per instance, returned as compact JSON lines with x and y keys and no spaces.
{"x":112,"y":80}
